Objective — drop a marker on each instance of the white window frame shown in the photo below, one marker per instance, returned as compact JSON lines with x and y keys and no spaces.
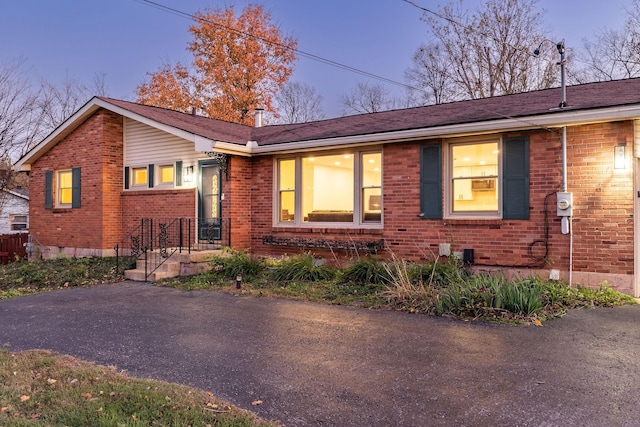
{"x":158,"y":173}
{"x":12,"y":221}
{"x":58,"y":188}
{"x":132,"y":179}
{"x":448,"y":179}
{"x":358,"y":217}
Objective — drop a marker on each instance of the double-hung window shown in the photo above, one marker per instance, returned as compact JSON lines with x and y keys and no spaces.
{"x":62,"y":188}
{"x":475,"y":178}
{"x":65,"y":189}
{"x":19,"y":222}
{"x":344,"y":189}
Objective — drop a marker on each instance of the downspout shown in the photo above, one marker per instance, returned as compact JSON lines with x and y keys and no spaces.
{"x":564,"y":190}
{"x":563,"y":104}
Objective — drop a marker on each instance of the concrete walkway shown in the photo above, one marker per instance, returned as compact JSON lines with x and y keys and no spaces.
{"x":338,"y":366}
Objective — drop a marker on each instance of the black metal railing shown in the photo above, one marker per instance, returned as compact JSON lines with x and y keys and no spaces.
{"x":168,"y":237}
{"x":129,"y":248}
{"x":156,"y":239}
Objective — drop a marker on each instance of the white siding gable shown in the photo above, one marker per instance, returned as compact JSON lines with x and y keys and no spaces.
{"x":11,"y":205}
{"x":144,"y":145}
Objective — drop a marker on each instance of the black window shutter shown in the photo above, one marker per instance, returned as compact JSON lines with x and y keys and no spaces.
{"x":515,"y":178}
{"x":150,"y":170}
{"x":126,"y":177}
{"x":431,"y":181}
{"x":179,"y":173}
{"x":48,"y":189}
{"x":75,"y":187}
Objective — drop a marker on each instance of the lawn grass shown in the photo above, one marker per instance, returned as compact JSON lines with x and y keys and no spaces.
{"x":23,"y":278}
{"x":41,"y":388}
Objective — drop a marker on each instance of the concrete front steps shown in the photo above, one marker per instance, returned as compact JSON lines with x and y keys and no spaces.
{"x":178,"y":264}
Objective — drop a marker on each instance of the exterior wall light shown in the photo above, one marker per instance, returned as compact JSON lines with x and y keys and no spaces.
{"x":620,"y":156}
{"x":187,"y":174}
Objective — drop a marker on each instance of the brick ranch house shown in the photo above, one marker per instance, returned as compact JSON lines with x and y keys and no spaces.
{"x":513,"y":183}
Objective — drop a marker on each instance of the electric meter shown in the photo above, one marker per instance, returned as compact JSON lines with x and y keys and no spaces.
{"x":565,"y":204}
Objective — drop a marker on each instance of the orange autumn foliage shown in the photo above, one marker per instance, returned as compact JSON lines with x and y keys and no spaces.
{"x":240,"y":63}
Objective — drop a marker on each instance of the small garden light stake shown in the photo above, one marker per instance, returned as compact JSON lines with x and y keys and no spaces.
{"x":238,"y":281}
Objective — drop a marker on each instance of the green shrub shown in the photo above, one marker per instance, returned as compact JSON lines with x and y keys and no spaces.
{"x":233,"y":263}
{"x":604,"y":296}
{"x":449,"y":272}
{"x":522,"y":297}
{"x":301,"y":267}
{"x":363,"y":272}
{"x":457,"y":299}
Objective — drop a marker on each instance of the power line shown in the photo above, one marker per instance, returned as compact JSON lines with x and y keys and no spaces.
{"x":329,"y":61}
{"x":468,"y":28}
{"x":297,"y":51}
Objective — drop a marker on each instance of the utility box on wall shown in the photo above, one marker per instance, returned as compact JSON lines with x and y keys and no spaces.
{"x":564,"y":204}
{"x":467,"y":256}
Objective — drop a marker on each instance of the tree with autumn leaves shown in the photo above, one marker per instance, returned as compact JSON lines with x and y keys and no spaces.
{"x":240,"y":63}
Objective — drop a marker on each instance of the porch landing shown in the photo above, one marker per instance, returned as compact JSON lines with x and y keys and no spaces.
{"x":178,"y":264}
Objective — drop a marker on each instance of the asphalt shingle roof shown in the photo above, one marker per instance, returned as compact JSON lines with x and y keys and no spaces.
{"x":579,"y":97}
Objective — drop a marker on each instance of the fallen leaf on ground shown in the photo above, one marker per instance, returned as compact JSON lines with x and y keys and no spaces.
{"x":256,"y":402}
{"x":537,"y":322}
{"x":24,"y":398}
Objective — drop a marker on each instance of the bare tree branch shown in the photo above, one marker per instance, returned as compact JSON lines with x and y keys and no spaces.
{"x":615,"y":54}
{"x":298,"y":103}
{"x":483,"y":53}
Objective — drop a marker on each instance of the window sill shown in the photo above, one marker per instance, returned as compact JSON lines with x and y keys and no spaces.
{"x":473,"y":221}
{"x":154,"y":191}
{"x":326,"y":229}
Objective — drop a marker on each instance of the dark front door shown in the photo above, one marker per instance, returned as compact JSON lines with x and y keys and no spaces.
{"x":210,"y":209}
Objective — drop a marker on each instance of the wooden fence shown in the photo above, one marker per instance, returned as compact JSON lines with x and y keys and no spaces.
{"x":12,"y":247}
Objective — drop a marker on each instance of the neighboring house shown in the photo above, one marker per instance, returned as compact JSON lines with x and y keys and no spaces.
{"x":479,"y":178}
{"x":14,"y":212}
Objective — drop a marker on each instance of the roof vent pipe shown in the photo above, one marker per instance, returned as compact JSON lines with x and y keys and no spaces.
{"x":193,"y":111}
{"x":259,"y":117}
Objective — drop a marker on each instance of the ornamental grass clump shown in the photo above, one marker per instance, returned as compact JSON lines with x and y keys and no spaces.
{"x":403,"y":290}
{"x":232,"y":264}
{"x":300,"y":268}
{"x":364,"y":271}
{"x":490,"y":297}
{"x":522,"y":297}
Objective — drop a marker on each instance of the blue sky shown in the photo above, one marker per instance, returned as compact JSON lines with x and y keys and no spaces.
{"x":124,"y":39}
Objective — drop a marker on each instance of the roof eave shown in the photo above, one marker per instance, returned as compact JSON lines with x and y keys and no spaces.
{"x":24,"y":163}
{"x":554,"y":119}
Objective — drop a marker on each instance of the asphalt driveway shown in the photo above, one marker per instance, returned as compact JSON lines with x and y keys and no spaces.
{"x":338,"y":366}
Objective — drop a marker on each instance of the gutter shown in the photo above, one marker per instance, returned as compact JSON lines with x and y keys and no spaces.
{"x":546,"y":121}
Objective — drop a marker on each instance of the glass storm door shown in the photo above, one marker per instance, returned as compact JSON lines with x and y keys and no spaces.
{"x":210,"y":221}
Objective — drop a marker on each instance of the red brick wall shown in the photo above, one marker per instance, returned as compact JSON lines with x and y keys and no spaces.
{"x":603,"y":198}
{"x":237,"y":202}
{"x":603,"y":208}
{"x":96,"y":147}
{"x":262,"y":203}
{"x":496,"y":242}
{"x":603,"y":221}
{"x":157,"y":204}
